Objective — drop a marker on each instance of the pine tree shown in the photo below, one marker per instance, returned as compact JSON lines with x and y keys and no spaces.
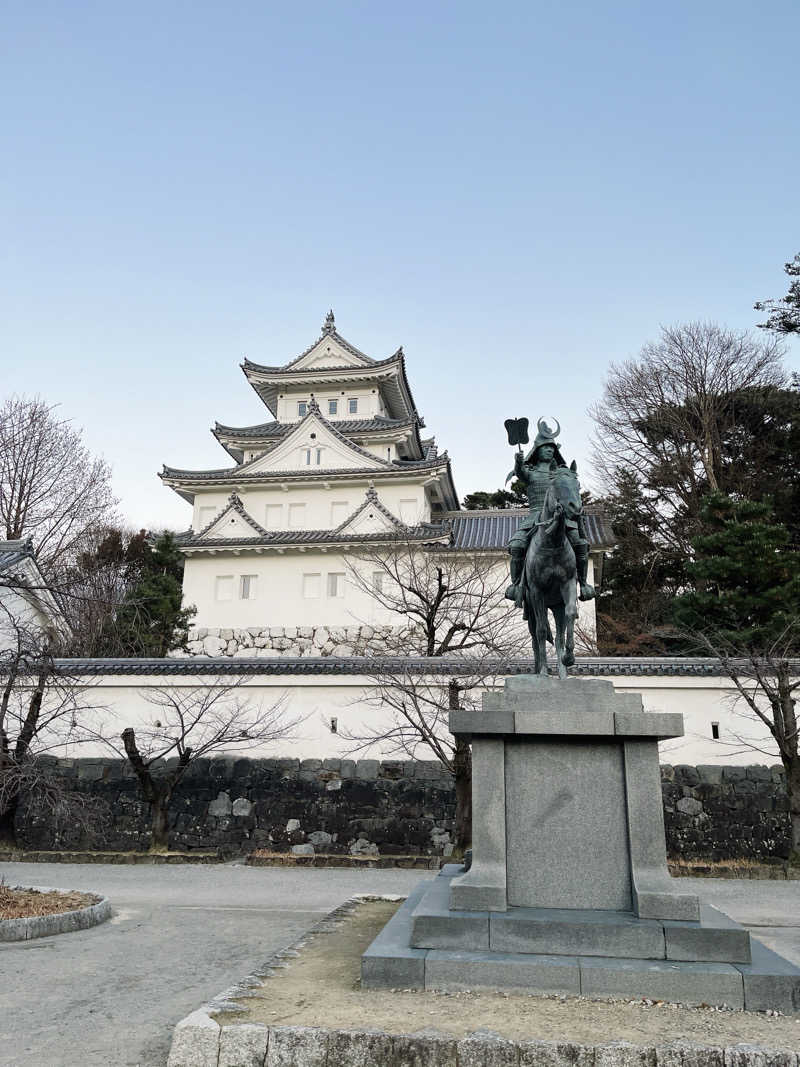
{"x":745,"y":611}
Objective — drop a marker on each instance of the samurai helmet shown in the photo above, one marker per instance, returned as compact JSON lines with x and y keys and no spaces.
{"x":546,"y":436}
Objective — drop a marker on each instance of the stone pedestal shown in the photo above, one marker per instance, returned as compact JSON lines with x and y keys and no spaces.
{"x":568,"y":889}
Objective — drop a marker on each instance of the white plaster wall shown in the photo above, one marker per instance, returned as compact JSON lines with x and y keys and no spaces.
{"x":18,"y":610}
{"x":280,"y":599}
{"x":408,"y":498}
{"x":369,"y":402}
{"x":121,"y":701}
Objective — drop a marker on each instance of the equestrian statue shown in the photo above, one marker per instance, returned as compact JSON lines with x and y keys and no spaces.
{"x":549,"y":550}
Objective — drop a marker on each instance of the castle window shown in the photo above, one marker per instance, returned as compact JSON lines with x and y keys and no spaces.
{"x":335,"y":585}
{"x":408,"y":512}
{"x":247,"y":586}
{"x":223,"y":587}
{"x":715,"y":731}
{"x":352,"y":405}
{"x":333,"y":407}
{"x":297,"y":516}
{"x":302,"y":407}
{"x":273,"y":516}
{"x":319,"y":456}
{"x":311,"y":586}
{"x":308,"y":457}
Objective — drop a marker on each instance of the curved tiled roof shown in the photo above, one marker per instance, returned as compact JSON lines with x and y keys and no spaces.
{"x":366,"y":666}
{"x":291,"y":368}
{"x":241,"y":474}
{"x":279,"y":429}
{"x":423,"y":532}
{"x":12,"y":552}
{"x":234,"y":504}
{"x":492,"y":529}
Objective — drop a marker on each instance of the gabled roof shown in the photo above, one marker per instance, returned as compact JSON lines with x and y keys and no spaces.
{"x":373,"y":503}
{"x":329,"y":330}
{"x":425,"y":533}
{"x":13,"y":552}
{"x":268,"y":381}
{"x":234,"y":505}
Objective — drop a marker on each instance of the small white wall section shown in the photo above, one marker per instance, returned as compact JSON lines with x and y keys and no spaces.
{"x":369,"y":402}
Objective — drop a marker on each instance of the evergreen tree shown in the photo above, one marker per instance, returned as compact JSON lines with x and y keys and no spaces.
{"x":745,"y":611}
{"x":151,"y":621}
{"x":784,"y":313}
{"x":481,"y":500}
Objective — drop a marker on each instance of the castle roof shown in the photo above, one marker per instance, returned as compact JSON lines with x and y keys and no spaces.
{"x":235,"y":438}
{"x":491,"y":530}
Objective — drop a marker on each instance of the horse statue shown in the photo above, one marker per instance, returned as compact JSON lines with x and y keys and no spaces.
{"x":550,"y":572}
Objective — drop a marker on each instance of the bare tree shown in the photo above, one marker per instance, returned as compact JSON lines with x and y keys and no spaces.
{"x":51,"y":488}
{"x":666,"y":415}
{"x":42,"y":708}
{"x":441,"y":604}
{"x":188,"y":724}
{"x":766,"y":686}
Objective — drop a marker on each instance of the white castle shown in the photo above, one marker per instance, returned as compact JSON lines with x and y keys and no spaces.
{"x":343,"y":463}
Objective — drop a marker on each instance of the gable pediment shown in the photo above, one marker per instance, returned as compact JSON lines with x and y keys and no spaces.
{"x":371,"y":517}
{"x":233,"y":523}
{"x":314,"y":445}
{"x":328,"y":352}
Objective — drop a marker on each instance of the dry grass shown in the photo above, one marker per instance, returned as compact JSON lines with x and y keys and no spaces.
{"x":19,"y":903}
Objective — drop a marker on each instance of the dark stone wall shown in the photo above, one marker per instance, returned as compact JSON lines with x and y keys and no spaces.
{"x":388,"y":808}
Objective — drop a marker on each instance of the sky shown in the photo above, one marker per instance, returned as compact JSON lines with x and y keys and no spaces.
{"x":518,"y":193}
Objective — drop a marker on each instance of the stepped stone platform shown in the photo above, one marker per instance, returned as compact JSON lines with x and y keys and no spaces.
{"x":569,"y":891}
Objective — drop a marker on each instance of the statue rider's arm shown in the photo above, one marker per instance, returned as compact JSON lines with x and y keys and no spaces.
{"x":520,"y":470}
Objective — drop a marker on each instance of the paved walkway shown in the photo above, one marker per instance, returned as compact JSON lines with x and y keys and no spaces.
{"x":180,"y":935}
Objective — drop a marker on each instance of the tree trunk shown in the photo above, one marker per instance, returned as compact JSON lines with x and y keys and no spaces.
{"x":792,"y":767}
{"x":8,"y":831}
{"x":159,"y":825}
{"x":462,"y":766}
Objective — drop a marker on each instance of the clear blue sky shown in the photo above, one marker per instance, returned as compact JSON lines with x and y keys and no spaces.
{"x":510,"y":190}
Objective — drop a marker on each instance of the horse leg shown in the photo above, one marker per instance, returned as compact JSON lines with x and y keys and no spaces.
{"x":540,"y":635}
{"x":569,"y":596}
{"x":558,"y":615}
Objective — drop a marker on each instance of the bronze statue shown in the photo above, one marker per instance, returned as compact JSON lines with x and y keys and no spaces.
{"x":549,"y":550}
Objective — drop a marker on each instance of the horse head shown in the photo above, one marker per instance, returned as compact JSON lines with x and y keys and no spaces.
{"x":565,"y":492}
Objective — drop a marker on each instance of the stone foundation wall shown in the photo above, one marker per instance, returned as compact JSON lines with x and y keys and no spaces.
{"x":384,"y":808}
{"x":274,"y":641}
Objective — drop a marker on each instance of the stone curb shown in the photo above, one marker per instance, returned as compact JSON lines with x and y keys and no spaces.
{"x":322,"y":859}
{"x":62,"y":922}
{"x":38,"y":856}
{"x":199,"y":1040}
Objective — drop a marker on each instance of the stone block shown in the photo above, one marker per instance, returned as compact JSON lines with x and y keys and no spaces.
{"x":243,"y":1045}
{"x":303,"y":850}
{"x":555,"y":1054}
{"x":716,"y":938}
{"x":587,"y":723}
{"x":499,"y":721}
{"x":320,"y":838}
{"x":489,"y":970}
{"x":434,"y":925}
{"x":292,"y":826}
{"x":297,"y":1046}
{"x":389,"y":962}
{"x":660,"y":725}
{"x":221,"y":806}
{"x":311,"y":765}
{"x":195,"y":1042}
{"x":770,"y":981}
{"x":242,"y":807}
{"x":682,"y":1054}
{"x":367,"y":769}
{"x":348,"y":768}
{"x":624,"y":1054}
{"x":425,"y":1048}
{"x":685,"y":983}
{"x":484,"y":1048}
{"x":710,"y":773}
{"x":579,"y":800}
{"x":359,"y":1048}
{"x":575,"y":932}
{"x":689,"y":806}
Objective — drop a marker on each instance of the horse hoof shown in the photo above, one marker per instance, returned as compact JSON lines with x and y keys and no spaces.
{"x":568,"y":660}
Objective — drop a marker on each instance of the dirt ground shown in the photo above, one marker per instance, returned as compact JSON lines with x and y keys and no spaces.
{"x":20,"y":903}
{"x":321,"y":987}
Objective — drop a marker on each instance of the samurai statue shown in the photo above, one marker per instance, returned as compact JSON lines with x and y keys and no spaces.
{"x":535,"y":471}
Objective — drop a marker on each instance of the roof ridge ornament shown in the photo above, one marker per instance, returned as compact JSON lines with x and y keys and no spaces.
{"x":313,"y":407}
{"x":329,"y":325}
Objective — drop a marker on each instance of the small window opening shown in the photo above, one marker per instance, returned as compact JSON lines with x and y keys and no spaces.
{"x":715,"y":731}
{"x":334,"y":724}
{"x":302,"y":407}
{"x":352,"y":405}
